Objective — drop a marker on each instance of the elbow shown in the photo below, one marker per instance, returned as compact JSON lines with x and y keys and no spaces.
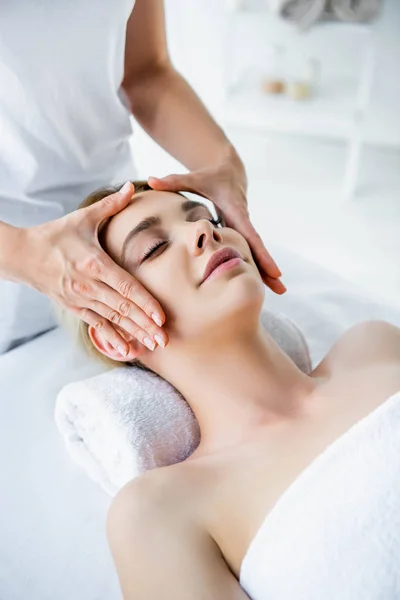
{"x":137,"y":83}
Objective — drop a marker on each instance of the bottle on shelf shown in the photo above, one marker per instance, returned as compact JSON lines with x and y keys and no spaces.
{"x":273,"y":72}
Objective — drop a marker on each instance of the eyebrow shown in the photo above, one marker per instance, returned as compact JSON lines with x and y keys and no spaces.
{"x":155,"y":221}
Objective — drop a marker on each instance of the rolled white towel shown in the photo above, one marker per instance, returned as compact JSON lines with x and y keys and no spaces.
{"x":125,"y":421}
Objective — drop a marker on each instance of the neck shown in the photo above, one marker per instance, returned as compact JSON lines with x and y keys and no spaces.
{"x":238,"y":386}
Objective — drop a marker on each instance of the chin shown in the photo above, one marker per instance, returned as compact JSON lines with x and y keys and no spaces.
{"x":235,"y":307}
{"x":245,"y":294}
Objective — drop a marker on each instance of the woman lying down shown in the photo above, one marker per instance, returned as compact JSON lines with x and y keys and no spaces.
{"x":293,"y":491}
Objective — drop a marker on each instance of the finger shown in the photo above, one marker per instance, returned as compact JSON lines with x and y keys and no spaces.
{"x":276,"y":285}
{"x":261,"y":255}
{"x":130,"y":288}
{"x":127,"y":314}
{"x":101,"y":324}
{"x":174,"y":183}
{"x":136,"y":331}
{"x":112,"y":204}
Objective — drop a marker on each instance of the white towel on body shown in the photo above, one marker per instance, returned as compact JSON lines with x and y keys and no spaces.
{"x":335,"y":532}
{"x":125,"y":421}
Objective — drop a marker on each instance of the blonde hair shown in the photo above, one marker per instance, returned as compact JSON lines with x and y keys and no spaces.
{"x":74,"y":324}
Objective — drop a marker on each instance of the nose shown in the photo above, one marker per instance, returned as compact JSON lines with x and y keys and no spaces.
{"x":203,"y":233}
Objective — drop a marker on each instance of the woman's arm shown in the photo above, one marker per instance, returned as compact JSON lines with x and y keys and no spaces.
{"x":173,"y":115}
{"x":162,"y":101}
{"x":160,"y":552}
{"x":11,"y":252}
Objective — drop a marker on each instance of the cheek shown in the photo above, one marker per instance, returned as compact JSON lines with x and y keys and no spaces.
{"x":237,"y":241}
{"x":169,"y":286}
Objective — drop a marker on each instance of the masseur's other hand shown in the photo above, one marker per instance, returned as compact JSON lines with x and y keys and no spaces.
{"x":68,"y":264}
{"x":225,"y":185}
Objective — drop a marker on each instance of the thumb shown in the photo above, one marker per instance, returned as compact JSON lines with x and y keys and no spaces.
{"x":173,"y":183}
{"x":113,"y":203}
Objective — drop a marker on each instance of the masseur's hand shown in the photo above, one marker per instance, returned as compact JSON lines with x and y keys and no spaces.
{"x":225,"y":185}
{"x":66,"y":262}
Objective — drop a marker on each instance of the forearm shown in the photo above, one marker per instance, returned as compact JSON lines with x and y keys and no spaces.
{"x":11,"y":253}
{"x":173,"y":115}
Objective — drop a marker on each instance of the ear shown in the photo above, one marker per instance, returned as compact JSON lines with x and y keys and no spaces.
{"x":136,"y":348}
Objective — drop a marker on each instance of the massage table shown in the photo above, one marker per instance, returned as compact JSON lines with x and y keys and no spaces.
{"x":52,"y":516}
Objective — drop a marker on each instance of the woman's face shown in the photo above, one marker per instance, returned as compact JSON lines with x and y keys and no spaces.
{"x":166,"y":242}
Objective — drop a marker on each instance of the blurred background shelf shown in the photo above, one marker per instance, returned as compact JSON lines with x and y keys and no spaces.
{"x":328,"y":114}
{"x":260,"y":46}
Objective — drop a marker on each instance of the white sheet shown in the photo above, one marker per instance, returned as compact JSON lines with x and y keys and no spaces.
{"x":52,"y":516}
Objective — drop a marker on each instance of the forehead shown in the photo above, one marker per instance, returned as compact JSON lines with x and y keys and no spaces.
{"x":143,"y":205}
{"x":154,"y":202}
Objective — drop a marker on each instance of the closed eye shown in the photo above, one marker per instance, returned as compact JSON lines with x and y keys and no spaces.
{"x":202,"y":212}
{"x":152,"y":250}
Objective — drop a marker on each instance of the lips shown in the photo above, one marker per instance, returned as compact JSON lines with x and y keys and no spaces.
{"x":217,"y":259}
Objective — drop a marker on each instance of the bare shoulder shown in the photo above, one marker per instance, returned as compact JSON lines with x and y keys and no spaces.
{"x":167,"y":495}
{"x":164,"y":490}
{"x":160,"y":547}
{"x":364,"y":343}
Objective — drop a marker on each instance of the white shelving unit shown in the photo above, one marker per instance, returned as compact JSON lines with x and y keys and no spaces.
{"x":336,"y":109}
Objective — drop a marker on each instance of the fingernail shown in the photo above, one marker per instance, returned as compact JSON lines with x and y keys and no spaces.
{"x":122,"y":350}
{"x":156,"y":319}
{"x":149,"y":343}
{"x":125,"y":187}
{"x":159,"y":341}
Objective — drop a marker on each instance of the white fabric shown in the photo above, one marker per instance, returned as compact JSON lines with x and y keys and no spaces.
{"x":126,"y":421}
{"x":335,"y":532}
{"x":64,"y":128}
{"x":307,"y":12}
{"x":52,"y":516}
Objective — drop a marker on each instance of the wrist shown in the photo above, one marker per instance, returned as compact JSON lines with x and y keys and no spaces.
{"x":232,"y":159}
{"x":13,"y":254}
{"x":239,"y":167}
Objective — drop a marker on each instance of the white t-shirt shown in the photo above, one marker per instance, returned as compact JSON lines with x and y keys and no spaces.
{"x":64,"y":128}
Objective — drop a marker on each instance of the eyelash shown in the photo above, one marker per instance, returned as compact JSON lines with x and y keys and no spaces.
{"x":216,"y":222}
{"x":154,"y":248}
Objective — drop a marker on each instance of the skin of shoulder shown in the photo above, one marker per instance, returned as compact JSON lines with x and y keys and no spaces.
{"x":164,"y":485}
{"x":159,"y":545}
{"x":364,"y":343}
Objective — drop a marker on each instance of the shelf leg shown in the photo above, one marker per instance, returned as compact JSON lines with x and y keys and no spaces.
{"x":352,"y":163}
{"x":355,"y":142}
